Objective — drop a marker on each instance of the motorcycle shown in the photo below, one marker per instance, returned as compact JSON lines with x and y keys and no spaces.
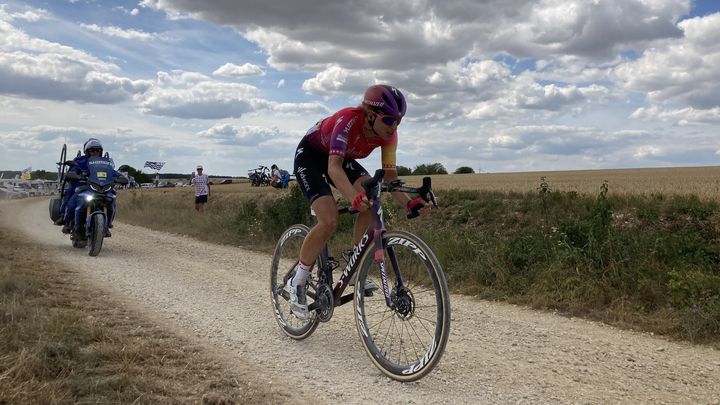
{"x":94,"y":198}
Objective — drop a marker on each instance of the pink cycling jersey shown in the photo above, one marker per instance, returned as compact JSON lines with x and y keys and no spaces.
{"x":341,"y":134}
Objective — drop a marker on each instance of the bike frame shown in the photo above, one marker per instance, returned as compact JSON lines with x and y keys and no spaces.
{"x":372,"y":239}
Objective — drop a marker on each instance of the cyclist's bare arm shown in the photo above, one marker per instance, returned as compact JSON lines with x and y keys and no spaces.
{"x":340,"y":179}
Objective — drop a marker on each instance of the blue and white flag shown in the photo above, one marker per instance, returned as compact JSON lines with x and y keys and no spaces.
{"x":154,"y":165}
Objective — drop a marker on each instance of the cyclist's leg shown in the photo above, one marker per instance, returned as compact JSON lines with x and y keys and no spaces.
{"x":311,"y":168}
{"x":327,"y":221}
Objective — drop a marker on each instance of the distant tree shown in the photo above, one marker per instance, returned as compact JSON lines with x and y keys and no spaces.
{"x":428,"y":169}
{"x":139,"y":177}
{"x":43,"y":175}
{"x":464,"y":170}
{"x":403,"y":171}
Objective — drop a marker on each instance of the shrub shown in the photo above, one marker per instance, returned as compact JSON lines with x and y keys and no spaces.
{"x":464,"y":170}
{"x":429,"y":169}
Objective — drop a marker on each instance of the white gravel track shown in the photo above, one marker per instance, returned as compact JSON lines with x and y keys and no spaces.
{"x":497,"y":353}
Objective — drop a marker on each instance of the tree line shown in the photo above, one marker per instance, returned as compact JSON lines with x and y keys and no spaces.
{"x":431,"y":168}
{"x":419,"y":170}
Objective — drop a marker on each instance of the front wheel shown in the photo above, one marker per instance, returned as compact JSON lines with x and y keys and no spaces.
{"x":407,"y":340}
{"x":97,"y":233}
{"x":286,"y":255}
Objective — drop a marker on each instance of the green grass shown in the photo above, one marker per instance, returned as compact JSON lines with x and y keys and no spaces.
{"x":649,"y":262}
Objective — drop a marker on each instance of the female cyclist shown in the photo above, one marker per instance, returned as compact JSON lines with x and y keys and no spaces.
{"x":327,"y":156}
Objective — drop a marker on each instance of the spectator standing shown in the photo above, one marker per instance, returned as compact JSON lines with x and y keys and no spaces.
{"x":202,"y":189}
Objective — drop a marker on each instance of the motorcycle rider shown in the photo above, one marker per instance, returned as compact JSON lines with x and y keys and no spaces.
{"x":92,"y":149}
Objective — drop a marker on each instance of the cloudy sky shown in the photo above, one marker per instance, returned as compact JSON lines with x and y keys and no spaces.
{"x":497,"y":85}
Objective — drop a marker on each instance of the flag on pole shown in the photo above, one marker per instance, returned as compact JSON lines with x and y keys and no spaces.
{"x":154,"y":165}
{"x":26,"y":173}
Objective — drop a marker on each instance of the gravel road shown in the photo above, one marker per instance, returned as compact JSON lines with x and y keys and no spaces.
{"x":497,"y":353}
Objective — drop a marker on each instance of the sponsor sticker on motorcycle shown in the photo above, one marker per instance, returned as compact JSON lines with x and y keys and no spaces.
{"x":102,"y":175}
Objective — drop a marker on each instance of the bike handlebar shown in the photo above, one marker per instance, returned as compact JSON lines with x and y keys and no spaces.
{"x":425,"y":191}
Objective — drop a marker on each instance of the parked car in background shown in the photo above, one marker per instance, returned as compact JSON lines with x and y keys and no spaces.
{"x":226,"y":181}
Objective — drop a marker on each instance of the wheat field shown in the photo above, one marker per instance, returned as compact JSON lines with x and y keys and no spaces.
{"x":701,"y":181}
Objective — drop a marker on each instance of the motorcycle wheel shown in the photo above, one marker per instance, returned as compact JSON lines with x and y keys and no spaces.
{"x":97,"y":233}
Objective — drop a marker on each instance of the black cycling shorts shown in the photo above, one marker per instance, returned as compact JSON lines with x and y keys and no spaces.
{"x":201,"y":199}
{"x":311,"y":171}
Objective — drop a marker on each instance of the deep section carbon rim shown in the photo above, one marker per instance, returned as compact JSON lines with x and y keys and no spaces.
{"x":286,"y":254}
{"x":407,"y":341}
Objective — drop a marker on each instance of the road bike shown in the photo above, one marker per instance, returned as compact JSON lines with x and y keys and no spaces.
{"x":259,"y":177}
{"x":403,"y":326}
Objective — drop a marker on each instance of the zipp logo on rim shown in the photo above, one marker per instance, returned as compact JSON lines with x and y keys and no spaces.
{"x":363,"y":328}
{"x":402,"y":241}
{"x":289,"y":234}
{"x":423,"y":361}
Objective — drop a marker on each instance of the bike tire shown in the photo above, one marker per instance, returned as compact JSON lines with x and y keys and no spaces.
{"x":286,"y":254}
{"x":97,"y":234}
{"x":407,"y":342}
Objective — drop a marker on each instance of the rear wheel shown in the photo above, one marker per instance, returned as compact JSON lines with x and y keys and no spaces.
{"x":97,"y":233}
{"x":406,"y":341}
{"x":286,"y":255}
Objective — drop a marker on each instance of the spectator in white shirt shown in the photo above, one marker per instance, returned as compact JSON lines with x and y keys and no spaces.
{"x":202,"y":189}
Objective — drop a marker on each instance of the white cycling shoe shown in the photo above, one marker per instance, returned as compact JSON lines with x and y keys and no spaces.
{"x":298,"y":300}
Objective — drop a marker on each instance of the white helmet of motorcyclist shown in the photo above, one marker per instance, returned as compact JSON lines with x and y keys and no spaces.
{"x":92,"y":144}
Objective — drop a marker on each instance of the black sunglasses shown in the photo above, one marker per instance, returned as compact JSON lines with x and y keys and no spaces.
{"x":388,"y":120}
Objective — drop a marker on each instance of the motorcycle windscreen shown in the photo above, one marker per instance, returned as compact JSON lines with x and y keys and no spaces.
{"x":101,"y":170}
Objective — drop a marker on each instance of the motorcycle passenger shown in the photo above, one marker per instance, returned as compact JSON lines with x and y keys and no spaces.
{"x":92,"y":149}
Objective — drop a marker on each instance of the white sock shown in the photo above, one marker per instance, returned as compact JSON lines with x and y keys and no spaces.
{"x":302,"y":271}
